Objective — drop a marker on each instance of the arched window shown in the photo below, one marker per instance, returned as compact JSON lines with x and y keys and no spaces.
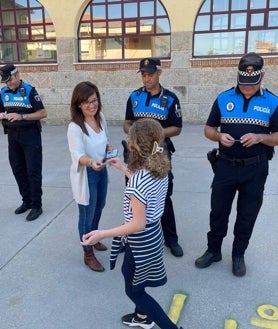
{"x":235,"y":27}
{"x":123,"y":30}
{"x":26,"y":33}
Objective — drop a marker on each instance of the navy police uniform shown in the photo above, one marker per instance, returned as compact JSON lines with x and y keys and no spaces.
{"x":238,"y":168}
{"x":24,"y":140}
{"x":165,"y":108}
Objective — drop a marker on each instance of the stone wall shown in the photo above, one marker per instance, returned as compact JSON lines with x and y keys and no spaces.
{"x":196,"y":82}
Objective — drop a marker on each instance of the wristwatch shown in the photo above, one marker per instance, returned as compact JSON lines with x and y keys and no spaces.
{"x":24,"y":116}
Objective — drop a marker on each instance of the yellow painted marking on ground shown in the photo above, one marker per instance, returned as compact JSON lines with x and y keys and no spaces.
{"x":269,"y":313}
{"x":264,"y":323}
{"x":176,"y":307}
{"x":230,"y":324}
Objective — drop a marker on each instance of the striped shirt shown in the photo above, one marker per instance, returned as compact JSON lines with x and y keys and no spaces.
{"x":146,"y":245}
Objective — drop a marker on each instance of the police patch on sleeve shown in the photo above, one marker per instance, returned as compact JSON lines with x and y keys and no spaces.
{"x":135,"y":104}
{"x":178,"y":111}
{"x":230,"y":106}
{"x":37,"y":98}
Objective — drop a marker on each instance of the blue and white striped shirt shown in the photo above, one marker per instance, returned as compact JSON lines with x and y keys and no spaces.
{"x":146,"y":245}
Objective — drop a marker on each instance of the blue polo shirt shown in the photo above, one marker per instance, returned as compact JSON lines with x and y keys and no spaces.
{"x":164,"y":107}
{"x":237,"y":116}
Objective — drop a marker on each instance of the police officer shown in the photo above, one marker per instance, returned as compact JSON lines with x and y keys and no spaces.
{"x":154,"y":101}
{"x":21,"y":110}
{"x":244,"y":121}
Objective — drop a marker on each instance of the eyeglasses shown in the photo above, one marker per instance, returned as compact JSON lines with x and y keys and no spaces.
{"x":93,"y":101}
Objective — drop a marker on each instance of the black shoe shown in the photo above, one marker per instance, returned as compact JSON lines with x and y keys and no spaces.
{"x":207,"y":259}
{"x":175,"y":248}
{"x":132,"y":320}
{"x":34,"y":214}
{"x":239,"y":268}
{"x":24,"y":207}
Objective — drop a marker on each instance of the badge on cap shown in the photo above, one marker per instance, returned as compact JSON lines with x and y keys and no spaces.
{"x":146,"y":62}
{"x":250,"y":70}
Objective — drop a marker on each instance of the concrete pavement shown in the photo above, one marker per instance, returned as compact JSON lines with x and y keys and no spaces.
{"x":45,"y":284}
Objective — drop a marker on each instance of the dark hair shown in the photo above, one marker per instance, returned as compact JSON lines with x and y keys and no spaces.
{"x":145,"y":135}
{"x":80,"y":94}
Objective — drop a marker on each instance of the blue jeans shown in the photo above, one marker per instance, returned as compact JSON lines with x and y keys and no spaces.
{"x":89,"y":215}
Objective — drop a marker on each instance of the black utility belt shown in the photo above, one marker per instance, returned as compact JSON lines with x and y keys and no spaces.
{"x":22,"y":127}
{"x":244,"y":161}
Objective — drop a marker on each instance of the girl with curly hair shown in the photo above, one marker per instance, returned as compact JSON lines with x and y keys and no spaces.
{"x":141,"y":233}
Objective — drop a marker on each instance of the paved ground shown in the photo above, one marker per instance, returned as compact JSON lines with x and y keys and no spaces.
{"x":45,"y":285}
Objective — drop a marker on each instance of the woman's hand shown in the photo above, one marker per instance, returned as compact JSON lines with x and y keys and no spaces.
{"x":91,"y":238}
{"x":98,"y":165}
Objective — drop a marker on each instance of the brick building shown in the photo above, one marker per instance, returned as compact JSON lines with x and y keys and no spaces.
{"x":57,"y":44}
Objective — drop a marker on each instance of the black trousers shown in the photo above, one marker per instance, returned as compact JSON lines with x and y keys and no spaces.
{"x":25,"y":157}
{"x":249,"y":182}
{"x":168,"y":221}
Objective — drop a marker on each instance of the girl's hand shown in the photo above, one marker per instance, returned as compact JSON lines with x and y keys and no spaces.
{"x":91,"y":238}
{"x":115,"y":162}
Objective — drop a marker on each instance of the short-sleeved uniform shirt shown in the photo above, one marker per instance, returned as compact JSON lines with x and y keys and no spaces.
{"x":164,"y":107}
{"x":24,"y":100}
{"x":238,"y":116}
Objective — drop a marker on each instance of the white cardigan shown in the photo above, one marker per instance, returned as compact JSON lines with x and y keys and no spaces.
{"x":93,"y":146}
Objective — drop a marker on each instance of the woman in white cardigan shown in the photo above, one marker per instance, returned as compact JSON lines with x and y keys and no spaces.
{"x":88,"y":143}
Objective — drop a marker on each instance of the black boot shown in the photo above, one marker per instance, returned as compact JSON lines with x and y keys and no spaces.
{"x":239,"y":268}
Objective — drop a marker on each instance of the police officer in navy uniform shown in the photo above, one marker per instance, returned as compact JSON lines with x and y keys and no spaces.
{"x":244,"y":121}
{"x":154,"y":101}
{"x":20,"y":111}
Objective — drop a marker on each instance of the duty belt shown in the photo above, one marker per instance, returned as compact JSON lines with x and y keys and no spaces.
{"x":21,"y":127}
{"x":244,"y":161}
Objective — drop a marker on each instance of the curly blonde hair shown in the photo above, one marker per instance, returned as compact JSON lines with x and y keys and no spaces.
{"x":145,"y":143}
